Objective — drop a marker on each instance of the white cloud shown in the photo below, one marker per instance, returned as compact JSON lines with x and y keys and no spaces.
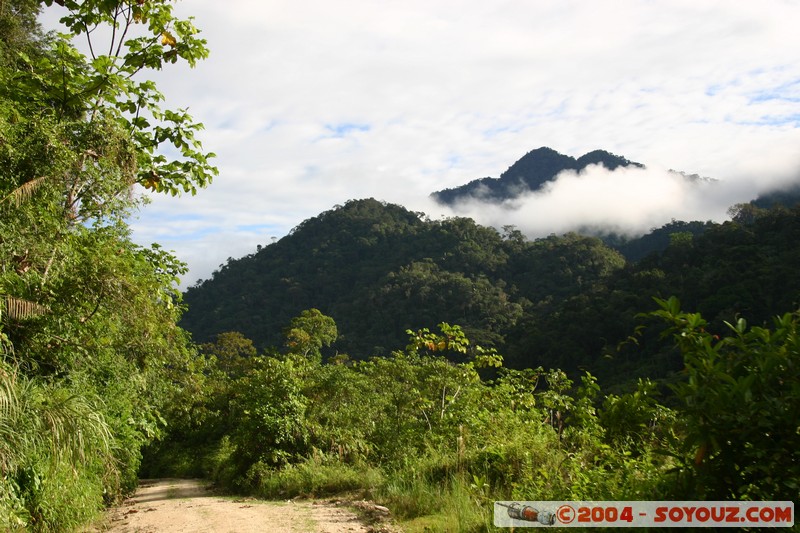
{"x":449,"y":91}
{"x":629,"y":199}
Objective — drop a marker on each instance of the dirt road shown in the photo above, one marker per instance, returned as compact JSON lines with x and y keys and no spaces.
{"x":186,"y":506}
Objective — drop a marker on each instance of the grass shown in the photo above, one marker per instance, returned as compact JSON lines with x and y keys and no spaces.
{"x":314,"y":478}
{"x":451,"y":505}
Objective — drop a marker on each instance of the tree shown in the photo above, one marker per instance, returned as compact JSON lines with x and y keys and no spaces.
{"x":18,"y":26}
{"x":309,"y":332}
{"x":232,"y":351}
{"x":144,"y":35}
{"x":269,"y":408}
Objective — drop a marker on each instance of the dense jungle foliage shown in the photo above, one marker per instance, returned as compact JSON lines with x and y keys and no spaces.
{"x":89,"y":347}
{"x":428,"y":432}
{"x":605,"y":389}
{"x":316,"y":371}
{"x":566,"y":302}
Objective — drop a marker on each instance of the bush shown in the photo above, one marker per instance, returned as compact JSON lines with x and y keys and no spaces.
{"x":740,"y":403}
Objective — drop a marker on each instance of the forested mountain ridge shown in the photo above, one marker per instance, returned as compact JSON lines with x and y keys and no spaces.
{"x":529,"y":173}
{"x":561,"y":301}
{"x":787,"y":196}
{"x":352,"y":262}
{"x":533,"y":171}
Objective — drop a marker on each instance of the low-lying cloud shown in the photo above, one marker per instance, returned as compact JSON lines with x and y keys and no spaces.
{"x":628,"y":200}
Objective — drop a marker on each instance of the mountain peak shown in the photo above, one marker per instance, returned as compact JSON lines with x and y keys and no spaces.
{"x":529,"y":173}
{"x":607,"y":159}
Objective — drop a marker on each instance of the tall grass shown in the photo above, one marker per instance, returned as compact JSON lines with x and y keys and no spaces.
{"x":54,"y":454}
{"x":455,"y":504}
{"x":317,"y":476}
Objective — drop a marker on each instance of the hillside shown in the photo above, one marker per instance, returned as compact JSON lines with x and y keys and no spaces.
{"x":379,"y":269}
{"x":786,"y":197}
{"x":566,"y":301}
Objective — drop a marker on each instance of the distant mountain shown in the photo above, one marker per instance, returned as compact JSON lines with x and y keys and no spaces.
{"x":634,"y":249}
{"x":530,"y":173}
{"x":787,"y":197}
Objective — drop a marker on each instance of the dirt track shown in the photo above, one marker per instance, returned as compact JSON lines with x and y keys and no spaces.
{"x":186,"y":506}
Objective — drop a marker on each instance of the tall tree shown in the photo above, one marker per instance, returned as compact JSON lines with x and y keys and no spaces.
{"x":309,"y":332}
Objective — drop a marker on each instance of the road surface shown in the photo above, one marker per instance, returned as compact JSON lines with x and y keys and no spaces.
{"x":187,"y":506}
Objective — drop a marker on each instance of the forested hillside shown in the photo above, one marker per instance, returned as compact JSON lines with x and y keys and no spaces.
{"x":562,"y":301}
{"x":546,"y":405}
{"x":379,"y":270}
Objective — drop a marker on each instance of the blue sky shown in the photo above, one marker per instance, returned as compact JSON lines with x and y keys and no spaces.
{"x":309,"y":104}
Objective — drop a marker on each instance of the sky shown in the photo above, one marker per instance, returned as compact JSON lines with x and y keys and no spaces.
{"x":309,"y":104}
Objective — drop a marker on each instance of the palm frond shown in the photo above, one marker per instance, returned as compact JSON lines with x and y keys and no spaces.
{"x":74,"y":425}
{"x":19,"y":308}
{"x":12,"y":435}
{"x":25,"y":191}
